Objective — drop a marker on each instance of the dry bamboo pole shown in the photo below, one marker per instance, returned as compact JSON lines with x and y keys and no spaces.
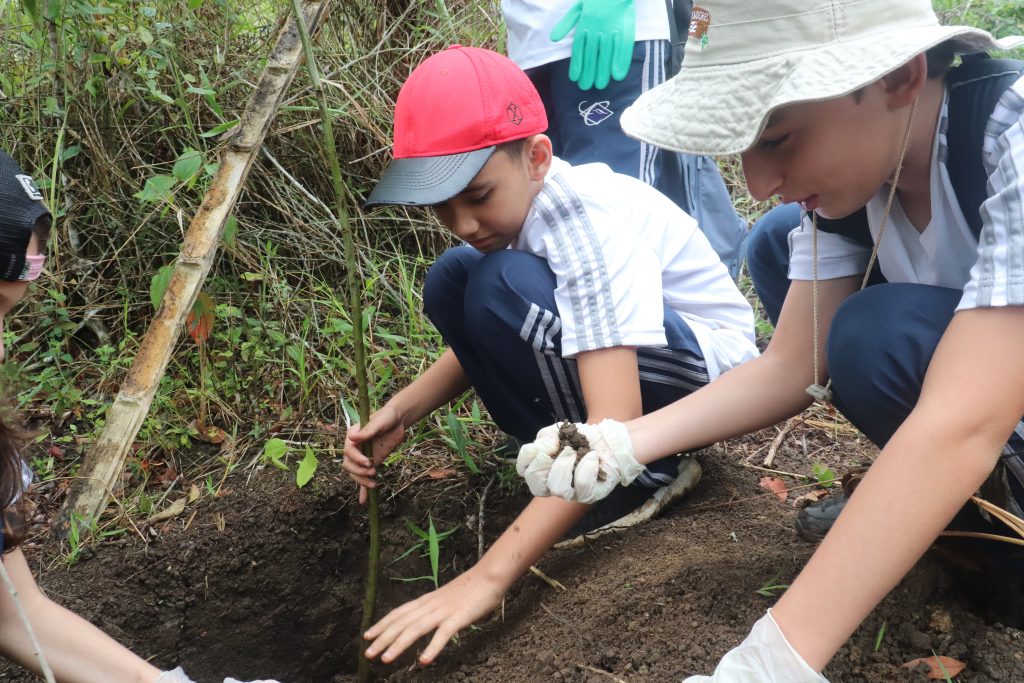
{"x":105,"y":460}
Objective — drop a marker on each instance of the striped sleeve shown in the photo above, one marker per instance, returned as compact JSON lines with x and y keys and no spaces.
{"x":607,"y":294}
{"x":997,"y":277}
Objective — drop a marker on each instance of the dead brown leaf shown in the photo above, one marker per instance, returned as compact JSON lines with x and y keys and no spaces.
{"x":808,"y":498}
{"x":775,"y":485}
{"x":939,"y":667}
{"x":440,"y":472}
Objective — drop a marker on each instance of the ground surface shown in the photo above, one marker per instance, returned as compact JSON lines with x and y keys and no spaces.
{"x":265,"y":580}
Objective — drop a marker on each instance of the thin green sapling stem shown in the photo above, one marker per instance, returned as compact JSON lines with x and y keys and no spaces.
{"x":356,"y":308}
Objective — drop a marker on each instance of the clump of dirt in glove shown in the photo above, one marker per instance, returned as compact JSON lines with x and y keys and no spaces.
{"x":571,"y":437}
{"x":273,"y":588}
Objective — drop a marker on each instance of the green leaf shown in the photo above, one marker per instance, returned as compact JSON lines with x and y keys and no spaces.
{"x":201,"y":91}
{"x":435,"y":548}
{"x":218,"y":129}
{"x":273,"y":451}
{"x":144,"y":35}
{"x":157,"y":188}
{"x":187,"y":165}
{"x":230,"y":231}
{"x":415,"y":529}
{"x":158,"y":285}
{"x":307,"y":468}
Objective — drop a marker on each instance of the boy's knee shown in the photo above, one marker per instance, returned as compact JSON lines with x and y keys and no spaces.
{"x":447,"y":280}
{"x":503,"y":285}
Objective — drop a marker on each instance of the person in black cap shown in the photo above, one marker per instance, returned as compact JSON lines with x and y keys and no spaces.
{"x":77,"y":651}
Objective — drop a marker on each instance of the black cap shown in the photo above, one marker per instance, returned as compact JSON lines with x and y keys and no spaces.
{"x":21,"y":205}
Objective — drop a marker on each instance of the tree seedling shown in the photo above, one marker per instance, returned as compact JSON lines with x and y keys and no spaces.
{"x":432,"y":540}
{"x":824,"y":474}
{"x":880,"y":635}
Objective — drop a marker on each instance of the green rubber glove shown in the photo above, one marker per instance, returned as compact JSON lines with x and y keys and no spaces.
{"x":602,"y":47}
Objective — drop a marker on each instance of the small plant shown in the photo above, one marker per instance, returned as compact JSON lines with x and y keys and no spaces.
{"x":880,"y":635}
{"x":273,"y":452}
{"x":431,"y":539}
{"x":824,"y":474}
{"x":770,"y":589}
{"x":458,"y":441}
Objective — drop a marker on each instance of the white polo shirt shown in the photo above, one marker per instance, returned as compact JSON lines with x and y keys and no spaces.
{"x":620,"y":250}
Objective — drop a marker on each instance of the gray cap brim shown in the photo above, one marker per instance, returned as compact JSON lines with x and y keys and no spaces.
{"x":422,"y":181}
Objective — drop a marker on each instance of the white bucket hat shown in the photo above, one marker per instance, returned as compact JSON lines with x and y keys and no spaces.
{"x":745,"y":59}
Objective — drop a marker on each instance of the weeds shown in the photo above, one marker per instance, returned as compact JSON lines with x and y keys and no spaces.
{"x":430,"y":540}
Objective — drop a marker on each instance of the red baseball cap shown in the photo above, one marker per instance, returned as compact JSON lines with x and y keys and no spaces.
{"x":452,"y":112}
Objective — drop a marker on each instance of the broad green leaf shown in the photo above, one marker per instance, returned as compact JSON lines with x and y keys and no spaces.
{"x":230,"y":231}
{"x":158,"y":285}
{"x":187,"y":165}
{"x":306,"y":468}
{"x":273,"y":451}
{"x":157,"y":188}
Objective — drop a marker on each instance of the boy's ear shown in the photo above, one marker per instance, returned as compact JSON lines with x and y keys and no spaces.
{"x":537,"y":155}
{"x":903,"y":85}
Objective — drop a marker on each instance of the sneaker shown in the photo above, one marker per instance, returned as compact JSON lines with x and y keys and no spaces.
{"x":814,"y":520}
{"x":630,"y":505}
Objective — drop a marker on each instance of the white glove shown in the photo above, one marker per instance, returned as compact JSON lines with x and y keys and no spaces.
{"x":179,"y":676}
{"x":765,"y":656}
{"x":552,"y":472}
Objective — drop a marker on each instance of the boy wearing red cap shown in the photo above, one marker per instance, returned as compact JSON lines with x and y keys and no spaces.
{"x":850,"y":109}
{"x":581,"y":294}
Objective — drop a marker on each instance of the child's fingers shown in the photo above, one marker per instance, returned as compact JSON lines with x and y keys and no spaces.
{"x":399,"y":632}
{"x":374,"y":631}
{"x":415,"y":627}
{"x":446,"y":630}
{"x":367,"y":482}
{"x":362,"y":494}
{"x":363,"y":468}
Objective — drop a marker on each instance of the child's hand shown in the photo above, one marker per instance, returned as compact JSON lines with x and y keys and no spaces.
{"x":446,"y":611}
{"x":387,"y":431}
{"x":765,"y":656}
{"x":553,"y":467}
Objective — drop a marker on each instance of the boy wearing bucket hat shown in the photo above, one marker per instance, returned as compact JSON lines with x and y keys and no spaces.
{"x":74,"y":649}
{"x":581,"y":294}
{"x":904,"y":303}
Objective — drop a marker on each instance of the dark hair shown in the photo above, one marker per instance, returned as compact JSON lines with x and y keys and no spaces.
{"x":11,"y":440}
{"x":513,"y":148}
{"x":939,"y":58}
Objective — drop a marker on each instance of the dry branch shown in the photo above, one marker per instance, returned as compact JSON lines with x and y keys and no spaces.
{"x":105,"y":460}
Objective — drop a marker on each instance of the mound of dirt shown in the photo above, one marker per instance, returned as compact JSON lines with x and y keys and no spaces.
{"x":267,"y":581}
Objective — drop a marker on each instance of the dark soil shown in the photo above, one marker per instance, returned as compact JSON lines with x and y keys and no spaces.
{"x":266,"y":581}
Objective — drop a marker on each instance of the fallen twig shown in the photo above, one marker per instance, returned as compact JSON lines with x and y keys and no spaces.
{"x":983,"y":535}
{"x":601,"y":672}
{"x":777,"y":441}
{"x":480,"y":520}
{"x":546,"y":579}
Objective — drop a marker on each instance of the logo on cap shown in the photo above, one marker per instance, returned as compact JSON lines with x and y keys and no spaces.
{"x":514,"y":113}
{"x":700,"y":20}
{"x":30,"y":188}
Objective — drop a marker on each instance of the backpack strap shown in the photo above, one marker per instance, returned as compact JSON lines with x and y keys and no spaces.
{"x":975,"y":87}
{"x":974,"y":90}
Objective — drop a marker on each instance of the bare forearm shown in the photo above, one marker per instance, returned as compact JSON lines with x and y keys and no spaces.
{"x":910,"y":494}
{"x":753,"y":396}
{"x":536,"y":529}
{"x":77,"y":651}
{"x":444,"y":381}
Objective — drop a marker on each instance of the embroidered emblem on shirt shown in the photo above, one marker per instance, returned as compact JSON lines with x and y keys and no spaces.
{"x":30,"y":188}
{"x":595,"y":113}
{"x":514,"y":113}
{"x":700,"y":20}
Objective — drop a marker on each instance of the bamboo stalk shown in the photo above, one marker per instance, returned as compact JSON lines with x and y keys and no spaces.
{"x":105,"y":460}
{"x":359,"y":351}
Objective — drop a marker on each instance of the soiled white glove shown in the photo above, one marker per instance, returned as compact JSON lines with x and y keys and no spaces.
{"x":608,"y":463}
{"x":178,"y":676}
{"x":765,"y":656}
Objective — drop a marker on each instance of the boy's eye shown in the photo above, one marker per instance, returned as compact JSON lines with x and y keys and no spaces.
{"x":772,"y":143}
{"x":480,"y":199}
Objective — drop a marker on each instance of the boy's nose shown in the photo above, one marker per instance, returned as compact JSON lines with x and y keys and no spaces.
{"x":464,"y":225}
{"x":761,"y":176}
